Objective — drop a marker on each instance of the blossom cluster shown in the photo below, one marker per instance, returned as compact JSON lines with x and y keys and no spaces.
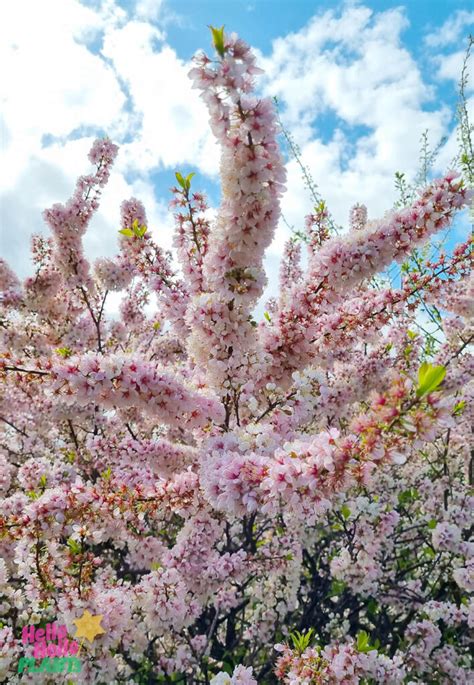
{"x":242,"y":501}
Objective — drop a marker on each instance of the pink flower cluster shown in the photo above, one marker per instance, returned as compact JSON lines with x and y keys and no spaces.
{"x":69,"y":222}
{"x":336,"y":664}
{"x":241,"y":500}
{"x":119,"y":381}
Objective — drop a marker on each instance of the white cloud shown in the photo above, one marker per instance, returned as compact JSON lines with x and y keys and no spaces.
{"x":61,"y":90}
{"x":450,"y":68}
{"x":149,"y":9}
{"x":452,"y":30}
{"x":352,"y":67}
{"x":451,"y":148}
{"x":53,"y":84}
{"x":335,"y":62}
{"x":173,"y":125}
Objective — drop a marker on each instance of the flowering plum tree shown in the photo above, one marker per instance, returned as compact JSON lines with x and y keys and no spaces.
{"x":283,"y":501}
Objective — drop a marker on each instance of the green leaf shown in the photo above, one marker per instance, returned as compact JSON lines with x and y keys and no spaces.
{"x":74,"y":546}
{"x":228,"y":668}
{"x":429,"y":378}
{"x":301,"y":641}
{"x":43,"y":481}
{"x":372,"y":607}
{"x":64,"y":352}
{"x":135,"y":230}
{"x":459,"y":408}
{"x":70,"y":456}
{"x":337,"y":588}
{"x":363,"y":643}
{"x":218,"y":39}
{"x":408,"y":496}
{"x":107,"y":474}
{"x":185,"y":183}
{"x":432,"y":524}
{"x":267,"y":316}
{"x":180,"y":179}
{"x":188,"y":179}
{"x":345,"y":511}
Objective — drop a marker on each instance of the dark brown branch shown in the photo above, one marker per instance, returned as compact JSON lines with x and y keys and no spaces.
{"x":73,"y":434}
{"x":95,"y":319}
{"x":20,"y":370}
{"x":12,"y":425}
{"x":461,"y":349}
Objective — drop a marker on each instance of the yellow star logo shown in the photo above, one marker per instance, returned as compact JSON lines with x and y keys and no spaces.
{"x":88,"y":626}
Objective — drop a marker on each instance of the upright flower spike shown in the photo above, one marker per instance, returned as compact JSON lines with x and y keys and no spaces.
{"x":69,"y":222}
{"x":358,"y":217}
{"x":290,"y":269}
{"x":10,"y":286}
{"x":191,"y":239}
{"x":316,"y":227}
{"x":252,"y":176}
{"x":251,"y":169}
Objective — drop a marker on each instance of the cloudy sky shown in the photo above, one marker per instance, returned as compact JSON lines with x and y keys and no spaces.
{"x":358,"y":83}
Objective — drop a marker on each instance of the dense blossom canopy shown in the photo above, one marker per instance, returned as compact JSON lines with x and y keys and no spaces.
{"x":284,"y":501}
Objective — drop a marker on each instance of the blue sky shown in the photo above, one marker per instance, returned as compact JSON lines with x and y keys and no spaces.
{"x":261,"y":21}
{"x":358,"y":83}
